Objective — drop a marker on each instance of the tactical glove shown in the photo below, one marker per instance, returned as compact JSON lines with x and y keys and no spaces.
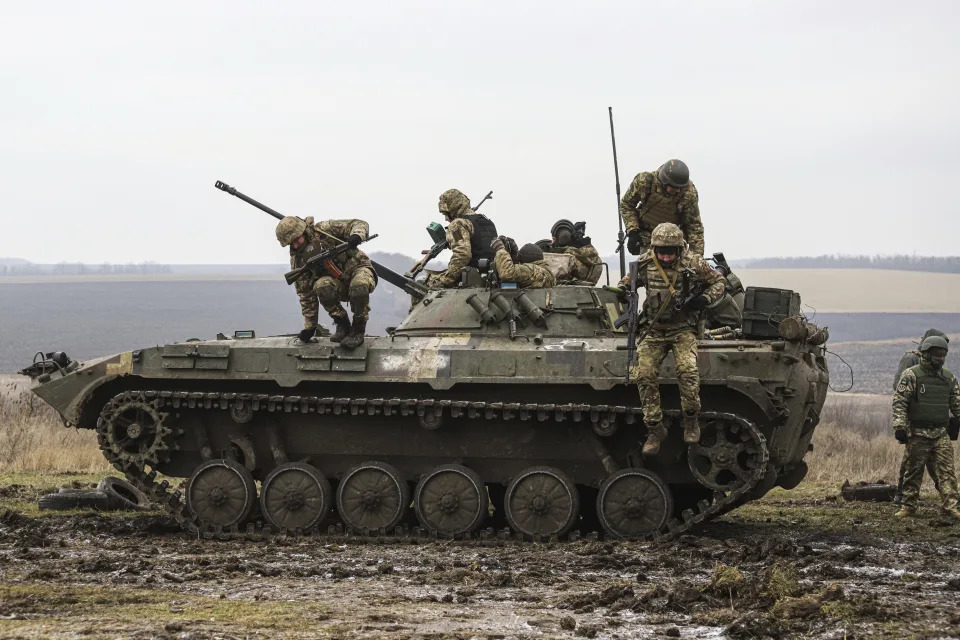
{"x":901,"y":436}
{"x":698,"y":303}
{"x":510,"y":245}
{"x":306,"y":334}
{"x":354,"y":239}
{"x":496,"y":244}
{"x":634,"y":243}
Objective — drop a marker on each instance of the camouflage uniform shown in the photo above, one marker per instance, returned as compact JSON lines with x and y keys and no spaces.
{"x":911,"y":358}
{"x":647,"y":204}
{"x":927,"y":442}
{"x":355,"y":283}
{"x":672,"y":331}
{"x":533,"y":275}
{"x":460,"y":232}
{"x":589,"y":266}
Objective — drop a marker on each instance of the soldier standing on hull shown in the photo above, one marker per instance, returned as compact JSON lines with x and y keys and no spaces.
{"x":349,"y":276}
{"x":666,"y":270}
{"x":469,"y":235}
{"x":926,"y":395}
{"x":568,"y":238}
{"x":663,"y":195}
{"x":528,"y":270}
{"x":911,"y":359}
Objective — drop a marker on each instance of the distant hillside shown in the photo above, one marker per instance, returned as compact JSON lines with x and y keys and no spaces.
{"x":935,"y":264}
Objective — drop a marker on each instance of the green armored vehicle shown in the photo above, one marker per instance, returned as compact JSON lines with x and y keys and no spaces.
{"x":486,"y":408}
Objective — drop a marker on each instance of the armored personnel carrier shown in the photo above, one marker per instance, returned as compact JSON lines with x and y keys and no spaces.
{"x":486,"y":408}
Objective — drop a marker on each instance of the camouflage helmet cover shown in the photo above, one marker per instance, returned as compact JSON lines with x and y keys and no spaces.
{"x":667,"y":234}
{"x":453,"y":203}
{"x":674,"y":173}
{"x":529,"y":253}
{"x":289,"y":229}
{"x":934,"y":342}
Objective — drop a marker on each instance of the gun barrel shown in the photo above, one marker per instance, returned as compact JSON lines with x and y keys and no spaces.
{"x":223,"y":186}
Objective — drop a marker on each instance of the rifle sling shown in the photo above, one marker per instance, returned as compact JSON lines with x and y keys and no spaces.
{"x":666,"y":280}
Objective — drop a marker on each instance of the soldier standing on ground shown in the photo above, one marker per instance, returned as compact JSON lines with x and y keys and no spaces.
{"x":469,"y":235}
{"x":663,"y":195}
{"x":666,"y":270}
{"x":528,"y":269}
{"x":348,"y":276}
{"x":911,"y":359}
{"x":925,"y":397}
{"x":568,"y":238}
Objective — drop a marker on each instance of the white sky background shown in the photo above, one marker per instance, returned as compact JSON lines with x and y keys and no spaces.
{"x":809,"y":127}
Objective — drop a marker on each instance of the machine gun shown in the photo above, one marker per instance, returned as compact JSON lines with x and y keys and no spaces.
{"x":391,"y":276}
{"x":322,"y":263}
{"x":439,"y":242}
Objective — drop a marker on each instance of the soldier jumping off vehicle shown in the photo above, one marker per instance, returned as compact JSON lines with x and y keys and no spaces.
{"x":348,"y":276}
{"x":670,"y":272}
{"x":912,"y":358}
{"x":469,"y":235}
{"x":663,"y":195}
{"x":524,"y":266}
{"x":925,"y":397}
{"x":568,"y":238}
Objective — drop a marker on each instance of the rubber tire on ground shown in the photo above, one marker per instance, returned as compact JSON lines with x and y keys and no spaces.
{"x":246,"y":491}
{"x":74,"y":499}
{"x":320,"y":498}
{"x":429,"y":515}
{"x":388,"y":520}
{"x":123,"y":496}
{"x":521,"y":483}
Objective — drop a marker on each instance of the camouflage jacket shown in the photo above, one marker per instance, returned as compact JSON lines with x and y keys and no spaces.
{"x":904,"y":395}
{"x":648,"y":276}
{"x":589,"y":266}
{"x":348,"y":262}
{"x":684,"y":208}
{"x":911,"y":358}
{"x":458,"y":239}
{"x":535,"y":275}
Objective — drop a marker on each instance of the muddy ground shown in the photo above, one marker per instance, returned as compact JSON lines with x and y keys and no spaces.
{"x":797,"y":564}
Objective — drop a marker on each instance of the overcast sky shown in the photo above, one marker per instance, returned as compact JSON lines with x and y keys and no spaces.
{"x":809,"y":127}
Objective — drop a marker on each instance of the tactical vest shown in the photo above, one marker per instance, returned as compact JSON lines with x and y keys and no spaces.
{"x":484,"y":232}
{"x":659,"y":208}
{"x":658,"y":292}
{"x":931,"y":400}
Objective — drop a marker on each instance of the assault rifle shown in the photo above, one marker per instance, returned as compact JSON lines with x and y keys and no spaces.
{"x":439,"y":242}
{"x":391,"y":276}
{"x":689,"y":293}
{"x":322,"y":263}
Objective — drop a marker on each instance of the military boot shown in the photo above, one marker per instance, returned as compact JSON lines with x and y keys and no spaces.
{"x":355,"y":339}
{"x":905,"y":512}
{"x":342,"y":324}
{"x":691,"y":428}
{"x":656,"y":432}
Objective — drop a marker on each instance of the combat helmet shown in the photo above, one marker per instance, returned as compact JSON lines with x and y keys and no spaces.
{"x":674,"y":173}
{"x":559,"y":227}
{"x":529,"y":253}
{"x":667,"y":235}
{"x":289,"y":229}
{"x":453,"y":203}
{"x":934,"y":342}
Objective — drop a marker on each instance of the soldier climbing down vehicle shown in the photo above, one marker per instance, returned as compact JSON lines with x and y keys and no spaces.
{"x":346,"y":276}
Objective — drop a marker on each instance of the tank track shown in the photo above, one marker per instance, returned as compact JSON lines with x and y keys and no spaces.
{"x":174,"y":503}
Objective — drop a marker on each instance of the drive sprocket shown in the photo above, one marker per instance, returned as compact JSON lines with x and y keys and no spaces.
{"x":131,"y":431}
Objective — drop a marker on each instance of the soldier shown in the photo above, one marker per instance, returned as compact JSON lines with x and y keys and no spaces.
{"x":925,"y":397}
{"x":568,"y":238}
{"x":469,"y":235}
{"x":349,"y":276}
{"x":666,"y":270}
{"x":728,"y":311}
{"x":663,"y":195}
{"x":528,"y":270}
{"x":911,"y":358}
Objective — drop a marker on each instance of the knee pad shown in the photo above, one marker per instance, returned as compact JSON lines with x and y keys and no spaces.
{"x":326,"y":289}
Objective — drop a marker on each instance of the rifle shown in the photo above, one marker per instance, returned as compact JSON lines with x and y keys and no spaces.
{"x":323,"y":261}
{"x":439,"y":242}
{"x":616,"y":171}
{"x":689,"y":293}
{"x":632,"y":318}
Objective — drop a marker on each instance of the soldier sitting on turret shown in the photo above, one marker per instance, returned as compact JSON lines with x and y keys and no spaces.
{"x":567,"y":238}
{"x":349,"y":276}
{"x":524,"y":266}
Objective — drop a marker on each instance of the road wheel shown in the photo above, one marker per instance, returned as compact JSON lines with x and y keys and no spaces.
{"x":451,"y":500}
{"x":372,"y":496}
{"x":221,"y":493}
{"x":634,"y":503}
{"x":542,"y":502}
{"x":295,"y":496}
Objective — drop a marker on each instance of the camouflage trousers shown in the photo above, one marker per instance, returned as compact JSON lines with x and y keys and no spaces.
{"x":939,"y":452}
{"x":931,"y":470}
{"x":355,"y":287}
{"x":646,"y":371}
